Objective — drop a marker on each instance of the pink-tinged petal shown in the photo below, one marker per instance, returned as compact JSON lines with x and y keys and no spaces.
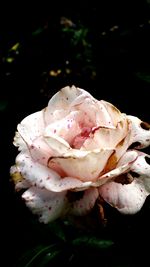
{"x":127,"y":198}
{"x":140,"y":132}
{"x":85,"y":204}
{"x":46,"y":178}
{"x":47,"y":205}
{"x":95,"y":111}
{"x":59,"y":104}
{"x":84,"y":165}
{"x":30,"y":128}
{"x":67,"y":128}
{"x":88,"y":106}
{"x":123,"y":166}
{"x":104,"y":137}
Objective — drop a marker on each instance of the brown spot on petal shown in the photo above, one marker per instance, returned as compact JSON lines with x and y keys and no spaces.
{"x":144,"y":125}
{"x":124,"y":179}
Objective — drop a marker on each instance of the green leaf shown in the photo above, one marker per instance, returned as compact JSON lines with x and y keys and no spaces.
{"x":92,"y":242}
{"x":39,"y":255}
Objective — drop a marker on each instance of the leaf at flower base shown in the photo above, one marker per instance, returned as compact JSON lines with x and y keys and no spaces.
{"x":93,"y":242}
{"x":39,"y":254}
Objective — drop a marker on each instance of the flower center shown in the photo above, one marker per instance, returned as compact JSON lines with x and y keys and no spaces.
{"x":80,"y":138}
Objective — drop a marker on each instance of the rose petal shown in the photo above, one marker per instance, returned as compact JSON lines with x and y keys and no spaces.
{"x":129,"y":198}
{"x":123,"y":166}
{"x":114,"y":113}
{"x":141,"y":168}
{"x":59,"y":104}
{"x":57,"y":144}
{"x":74,"y":98}
{"x":30,"y":128}
{"x":94,"y":109}
{"x":40,"y":151}
{"x":84,"y":165}
{"x":140,"y":132}
{"x":107,"y":137}
{"x":47,"y":205}
{"x":86,"y":203}
{"x":67,"y":128}
{"x":44,"y":177}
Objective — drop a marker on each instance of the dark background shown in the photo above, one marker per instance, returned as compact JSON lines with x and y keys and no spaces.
{"x":104,"y":49}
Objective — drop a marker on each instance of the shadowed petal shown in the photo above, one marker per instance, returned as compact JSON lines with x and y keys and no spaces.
{"x":86,"y":203}
{"x":47,"y":205}
{"x":127,"y":198}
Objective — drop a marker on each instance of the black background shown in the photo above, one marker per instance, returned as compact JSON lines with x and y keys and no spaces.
{"x":120,"y":61}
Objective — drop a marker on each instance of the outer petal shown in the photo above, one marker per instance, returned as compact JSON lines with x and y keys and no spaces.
{"x":40,"y":151}
{"x":141,"y":168}
{"x":47,"y":205}
{"x":140,"y":132}
{"x":84,"y":165}
{"x":86,"y":203}
{"x":44,"y":177}
{"x":129,"y":198}
{"x":30,"y":128}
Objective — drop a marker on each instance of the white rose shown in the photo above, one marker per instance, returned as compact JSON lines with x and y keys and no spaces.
{"x":78,"y":143}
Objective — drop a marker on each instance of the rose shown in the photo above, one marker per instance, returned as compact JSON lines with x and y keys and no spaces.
{"x":78,"y":143}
